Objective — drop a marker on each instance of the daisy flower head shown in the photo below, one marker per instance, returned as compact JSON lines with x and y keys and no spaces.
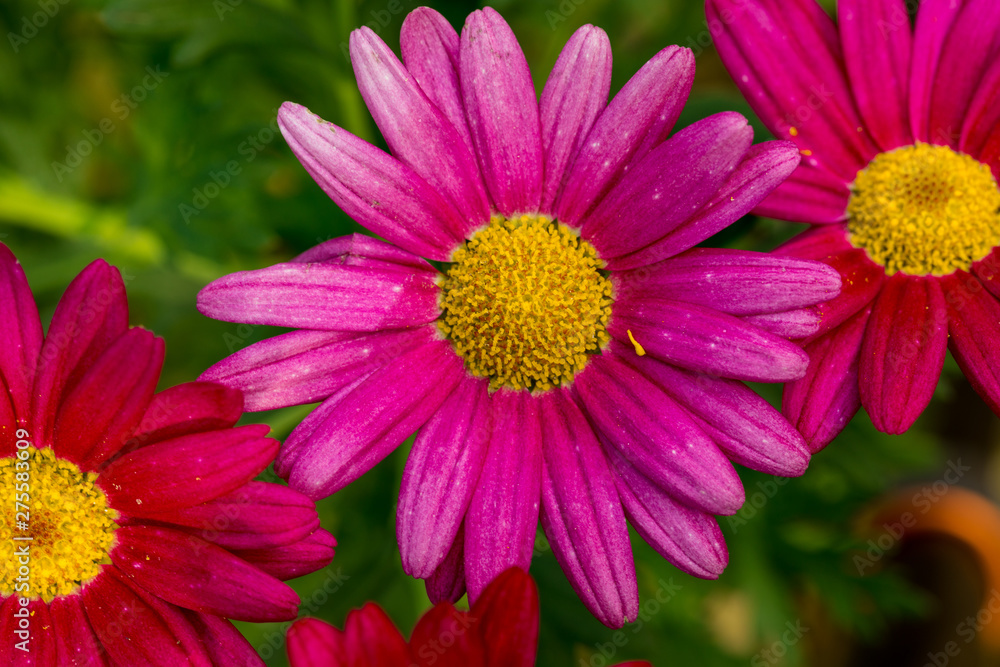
{"x":500,"y":630}
{"x":137,"y":530}
{"x":574,"y":359}
{"x":899,"y":128}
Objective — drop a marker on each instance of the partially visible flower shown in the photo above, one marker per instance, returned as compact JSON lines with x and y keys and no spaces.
{"x":900,"y":132}
{"x":500,"y":630}
{"x":577,"y":359}
{"x":138,"y":530}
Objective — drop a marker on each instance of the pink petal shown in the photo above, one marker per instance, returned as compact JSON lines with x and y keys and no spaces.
{"x":416,"y":131}
{"x":20,"y":337}
{"x":192,"y":407}
{"x":669,"y":185}
{"x":903,"y":351}
{"x":224,"y":643}
{"x":582,"y":514}
{"x":973,"y":316}
{"x":934,"y":22}
{"x":369,"y":421}
{"x":290,"y":561}
{"x":385,"y":196}
{"x":574,"y":96}
{"x":502,"y":518}
{"x":877,"y":45}
{"x":76,"y":643}
{"x":447,"y":583}
{"x":508,"y":618}
{"x":371,"y":640}
{"x":323,"y":296}
{"x":315,"y":643}
{"x":810,"y":195}
{"x":440,"y":477}
{"x":502,"y":112}
{"x":637,"y":120}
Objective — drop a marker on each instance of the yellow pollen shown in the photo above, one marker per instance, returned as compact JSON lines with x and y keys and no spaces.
{"x":925,"y":209}
{"x":638,"y":348}
{"x":525,"y":303}
{"x":67,"y":517}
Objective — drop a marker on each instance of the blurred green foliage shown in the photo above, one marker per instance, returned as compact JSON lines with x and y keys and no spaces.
{"x":142,"y":131}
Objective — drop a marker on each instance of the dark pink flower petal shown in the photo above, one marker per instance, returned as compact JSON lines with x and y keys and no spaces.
{"x":371,"y":640}
{"x":369,"y":421}
{"x":293,"y":560}
{"x":20,"y":338}
{"x":657,"y":436}
{"x":130,"y":629}
{"x":430,"y":45}
{"x":791,"y":324}
{"x":187,"y":471}
{"x":757,"y":435}
{"x":574,"y":96}
{"x":737,"y":282}
{"x":91,"y":314}
{"x":254,"y":516}
{"x":447,"y":583}
{"x":785,"y":57}
{"x":934,"y":21}
{"x":507,"y":613}
{"x":970,"y":48}
{"x":637,"y":120}
{"x":763,"y":167}
{"x":41,"y":640}
{"x":822,"y":403}
{"x":502,"y":519}
{"x":987,"y":270}
{"x":983,"y":117}
{"x":502,"y":112}
{"x":446,"y":637}
{"x":582,"y":514}
{"x":973,"y":316}
{"x":365,"y":252}
{"x":315,"y":643}
{"x":416,"y":131}
{"x":99,"y":414}
{"x":687,"y":537}
{"x":223,"y":642}
{"x":903,"y":351}
{"x":703,"y":339}
{"x":191,"y":573}
{"x":306,"y":366}
{"x":323,"y":296}
{"x":809,"y":195}
{"x":819,"y":243}
{"x":380,"y":192}
{"x":877,"y":44}
{"x":440,"y":477}
{"x":192,"y":407}
{"x":76,"y":643}
{"x":669,"y":185}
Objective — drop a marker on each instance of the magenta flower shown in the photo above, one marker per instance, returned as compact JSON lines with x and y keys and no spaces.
{"x":574,"y":355}
{"x":138,"y":527}
{"x":500,"y":630}
{"x":900,"y":129}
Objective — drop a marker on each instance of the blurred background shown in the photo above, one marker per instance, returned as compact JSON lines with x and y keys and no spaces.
{"x":144,"y":132}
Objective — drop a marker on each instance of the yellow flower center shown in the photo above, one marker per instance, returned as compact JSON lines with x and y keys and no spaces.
{"x":925,"y":210}
{"x":525,"y":303}
{"x":57,"y":527}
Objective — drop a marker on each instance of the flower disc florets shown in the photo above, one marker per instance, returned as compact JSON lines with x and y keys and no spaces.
{"x":525,"y":303}
{"x":924,"y":210}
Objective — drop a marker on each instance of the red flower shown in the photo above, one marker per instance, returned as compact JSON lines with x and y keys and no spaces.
{"x":137,"y":527}
{"x":501,"y":629}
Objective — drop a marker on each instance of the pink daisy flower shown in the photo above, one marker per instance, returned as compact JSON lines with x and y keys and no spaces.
{"x":501,"y":630}
{"x":137,"y":529}
{"x":900,"y":132}
{"x":574,"y":358}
